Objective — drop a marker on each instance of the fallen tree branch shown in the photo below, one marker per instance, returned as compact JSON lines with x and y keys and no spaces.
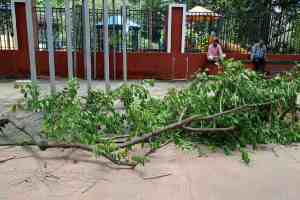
{"x":209,"y":130}
{"x":188,"y":120}
{"x":44,"y":145}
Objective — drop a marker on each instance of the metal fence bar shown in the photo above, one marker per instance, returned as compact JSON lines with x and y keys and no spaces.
{"x":31,"y":48}
{"x":69,"y":38}
{"x":237,"y":35}
{"x":115,"y":38}
{"x":50,"y":41}
{"x":14,"y":24}
{"x":87,"y":44}
{"x":124,"y":44}
{"x":7,"y":29}
{"x":94,"y":38}
{"x":106,"y":45}
{"x":145,"y":29}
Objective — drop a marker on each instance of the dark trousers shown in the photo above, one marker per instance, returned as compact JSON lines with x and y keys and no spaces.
{"x":259,"y":64}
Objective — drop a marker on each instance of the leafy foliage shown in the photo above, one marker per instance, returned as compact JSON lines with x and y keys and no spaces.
{"x":96,"y":118}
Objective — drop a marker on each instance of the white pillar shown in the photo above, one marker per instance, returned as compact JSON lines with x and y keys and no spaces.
{"x":183,"y":26}
{"x":30,"y":37}
{"x":69,"y":38}
{"x":50,"y":41}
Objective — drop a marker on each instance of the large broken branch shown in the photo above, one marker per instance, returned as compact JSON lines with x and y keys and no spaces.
{"x":44,"y":145}
{"x":188,"y":120}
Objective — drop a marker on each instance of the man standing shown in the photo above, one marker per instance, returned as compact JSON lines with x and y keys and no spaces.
{"x":258,"y":56}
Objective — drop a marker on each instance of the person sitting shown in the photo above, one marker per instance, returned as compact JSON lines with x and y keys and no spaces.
{"x":258,"y":56}
{"x":215,"y":52}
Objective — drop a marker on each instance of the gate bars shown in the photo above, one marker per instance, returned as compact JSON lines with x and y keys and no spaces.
{"x":70,"y":46}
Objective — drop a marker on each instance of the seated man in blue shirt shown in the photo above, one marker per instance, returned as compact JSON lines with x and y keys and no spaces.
{"x":258,"y":56}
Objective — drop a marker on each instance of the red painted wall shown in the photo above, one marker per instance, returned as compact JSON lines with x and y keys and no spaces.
{"x":162,"y":66}
{"x":140,"y":65}
{"x":8,"y":63}
{"x":22,"y":54}
{"x":176,"y":30}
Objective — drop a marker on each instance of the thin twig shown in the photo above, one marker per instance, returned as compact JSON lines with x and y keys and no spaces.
{"x":156,"y":177}
{"x":153,"y":150}
{"x":7,"y":159}
{"x":182,"y":114}
{"x":89,"y":187}
{"x":93,"y":185}
{"x":119,"y":137}
{"x":209,"y":130}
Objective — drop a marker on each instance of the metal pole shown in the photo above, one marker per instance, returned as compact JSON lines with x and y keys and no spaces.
{"x":13,"y":15}
{"x":50,"y":41}
{"x":69,"y":38}
{"x":74,"y":36}
{"x":187,"y":68}
{"x":115,"y":39}
{"x":31,"y":47}
{"x":94,"y":43}
{"x":87,"y":43}
{"x":106,"y":45}
{"x":124,"y":40}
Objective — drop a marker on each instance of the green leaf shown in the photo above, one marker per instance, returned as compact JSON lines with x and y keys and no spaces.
{"x":245,"y":156}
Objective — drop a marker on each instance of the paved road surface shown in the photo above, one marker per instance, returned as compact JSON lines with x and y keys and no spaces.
{"x":69,"y":175}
